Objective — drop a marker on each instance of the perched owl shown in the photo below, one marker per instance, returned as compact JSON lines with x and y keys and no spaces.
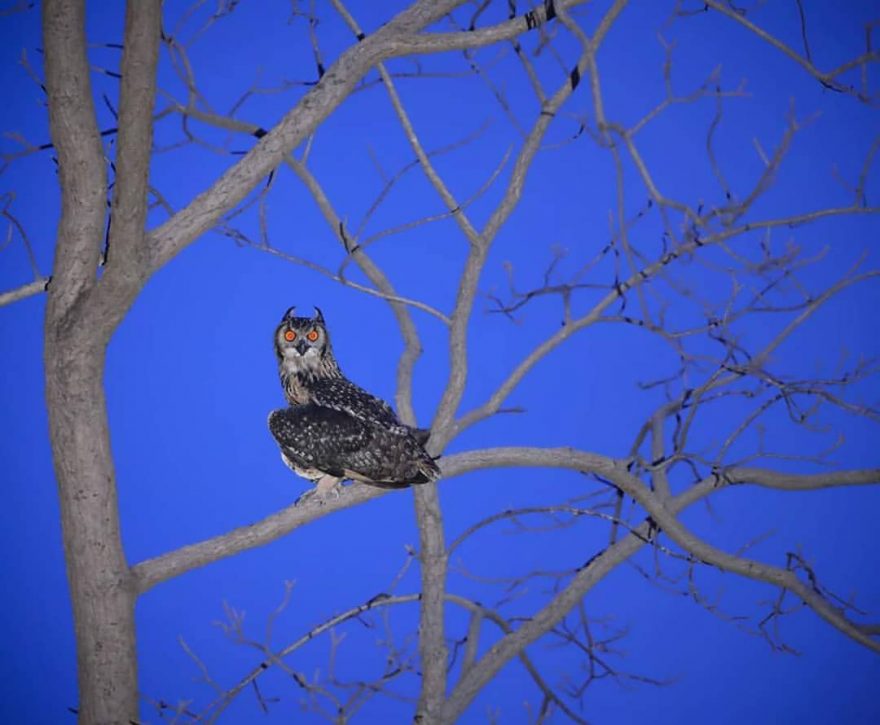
{"x":333,"y":429}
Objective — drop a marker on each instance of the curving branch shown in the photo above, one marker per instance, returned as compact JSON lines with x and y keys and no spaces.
{"x":334,"y":87}
{"x":662,"y":515}
{"x":151,"y":572}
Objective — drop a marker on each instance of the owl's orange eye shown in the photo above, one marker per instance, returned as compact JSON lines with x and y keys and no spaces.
{"x":290,"y":336}
{"x":312,"y":336}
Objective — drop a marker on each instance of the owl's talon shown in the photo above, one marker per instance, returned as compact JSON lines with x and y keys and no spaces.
{"x":324,"y":488}
{"x":326,"y":485}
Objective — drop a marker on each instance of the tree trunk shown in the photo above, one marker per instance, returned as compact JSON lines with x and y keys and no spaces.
{"x":79,"y":323}
{"x":100,"y":582}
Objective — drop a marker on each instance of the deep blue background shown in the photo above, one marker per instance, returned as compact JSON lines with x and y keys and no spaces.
{"x":191,"y":375}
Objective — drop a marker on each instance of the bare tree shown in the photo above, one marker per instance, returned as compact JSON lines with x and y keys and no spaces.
{"x":692,"y":272}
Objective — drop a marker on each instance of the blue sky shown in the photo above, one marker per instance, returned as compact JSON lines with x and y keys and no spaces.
{"x":191,"y":374}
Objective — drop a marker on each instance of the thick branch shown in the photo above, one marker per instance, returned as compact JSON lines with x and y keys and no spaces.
{"x":151,"y":572}
{"x":333,"y":88}
{"x":433,"y":652}
{"x":594,"y":570}
{"x":783,"y":578}
{"x":80,"y":157}
{"x":801,"y":481}
{"x":481,"y":37}
{"x":134,"y":144}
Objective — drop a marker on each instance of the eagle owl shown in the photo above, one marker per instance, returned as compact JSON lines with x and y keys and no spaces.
{"x":334,"y":430}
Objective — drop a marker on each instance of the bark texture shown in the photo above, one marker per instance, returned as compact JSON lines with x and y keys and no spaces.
{"x":82,"y":313}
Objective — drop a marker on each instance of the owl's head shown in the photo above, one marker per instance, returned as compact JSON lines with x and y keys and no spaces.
{"x":303,"y":345}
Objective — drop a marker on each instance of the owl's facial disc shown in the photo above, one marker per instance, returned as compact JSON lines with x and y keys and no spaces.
{"x":301,"y":343}
{"x":300,"y":348}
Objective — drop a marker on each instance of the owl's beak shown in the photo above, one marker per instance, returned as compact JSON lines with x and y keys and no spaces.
{"x":301,"y":347}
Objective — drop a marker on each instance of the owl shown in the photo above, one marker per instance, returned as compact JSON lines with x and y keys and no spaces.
{"x":334,"y":430}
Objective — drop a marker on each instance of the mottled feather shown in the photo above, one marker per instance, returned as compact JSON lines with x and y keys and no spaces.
{"x":333,"y":428}
{"x":315,"y":438}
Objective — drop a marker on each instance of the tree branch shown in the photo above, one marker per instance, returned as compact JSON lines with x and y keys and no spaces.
{"x":134,"y":142}
{"x":768,"y":478}
{"x":80,"y":156}
{"x":26,"y":290}
{"x":333,"y":88}
{"x":485,"y":668}
{"x":828,"y":79}
{"x":151,"y":572}
{"x":481,"y":37}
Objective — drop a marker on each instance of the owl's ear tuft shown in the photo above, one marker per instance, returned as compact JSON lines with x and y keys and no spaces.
{"x":289,"y":313}
{"x":319,"y":316}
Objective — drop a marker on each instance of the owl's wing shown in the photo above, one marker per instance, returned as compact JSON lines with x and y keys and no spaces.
{"x":321,"y":438}
{"x":313,"y":437}
{"x":344,"y":396}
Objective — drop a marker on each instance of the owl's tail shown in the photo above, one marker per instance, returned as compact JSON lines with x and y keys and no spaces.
{"x":423,"y":469}
{"x":427,"y":468}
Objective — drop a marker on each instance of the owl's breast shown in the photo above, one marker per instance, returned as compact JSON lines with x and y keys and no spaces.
{"x":295,"y":392}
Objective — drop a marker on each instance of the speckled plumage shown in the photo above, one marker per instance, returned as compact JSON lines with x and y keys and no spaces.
{"x":333,"y":429}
